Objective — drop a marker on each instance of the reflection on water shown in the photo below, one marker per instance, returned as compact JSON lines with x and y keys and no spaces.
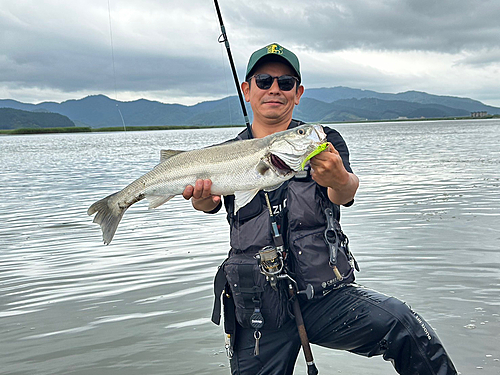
{"x":425,"y":228}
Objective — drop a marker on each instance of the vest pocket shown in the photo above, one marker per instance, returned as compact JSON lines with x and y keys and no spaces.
{"x":252,"y":293}
{"x":251,"y":234}
{"x":310,"y":263}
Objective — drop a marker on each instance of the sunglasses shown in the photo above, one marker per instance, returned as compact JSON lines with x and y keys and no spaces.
{"x":265,"y":81}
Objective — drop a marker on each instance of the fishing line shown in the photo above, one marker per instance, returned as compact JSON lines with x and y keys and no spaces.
{"x":227,"y":87}
{"x":113,"y":63}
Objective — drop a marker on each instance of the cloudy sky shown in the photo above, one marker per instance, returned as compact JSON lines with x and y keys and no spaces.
{"x":167,"y":50}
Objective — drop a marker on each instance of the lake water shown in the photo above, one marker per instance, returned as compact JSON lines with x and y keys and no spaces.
{"x":425,"y":228}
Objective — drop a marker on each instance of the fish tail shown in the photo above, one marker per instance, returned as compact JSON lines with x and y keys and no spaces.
{"x":109,"y":213}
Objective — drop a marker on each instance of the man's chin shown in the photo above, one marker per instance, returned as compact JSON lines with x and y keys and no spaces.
{"x":275,"y":113}
{"x":273,"y":116}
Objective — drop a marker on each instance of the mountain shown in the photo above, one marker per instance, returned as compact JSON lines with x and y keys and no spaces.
{"x":371,"y":109}
{"x":15,"y":119}
{"x":333,"y":94}
{"x":100,"y":111}
{"x":323,"y":104}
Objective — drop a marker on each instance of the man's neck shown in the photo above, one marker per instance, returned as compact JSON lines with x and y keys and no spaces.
{"x":261,"y":129}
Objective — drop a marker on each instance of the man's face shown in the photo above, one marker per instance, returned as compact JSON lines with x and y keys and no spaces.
{"x":273,"y":104}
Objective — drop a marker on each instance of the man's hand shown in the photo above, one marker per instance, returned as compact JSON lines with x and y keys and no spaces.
{"x":201,"y":195}
{"x":328,"y":170}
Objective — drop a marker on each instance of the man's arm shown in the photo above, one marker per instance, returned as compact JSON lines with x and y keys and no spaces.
{"x":201,"y":196}
{"x":328,"y":170}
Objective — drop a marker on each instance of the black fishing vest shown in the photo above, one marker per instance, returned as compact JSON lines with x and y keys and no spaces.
{"x":316,"y":250}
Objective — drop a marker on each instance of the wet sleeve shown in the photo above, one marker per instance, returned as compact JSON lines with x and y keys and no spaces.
{"x":338,"y":142}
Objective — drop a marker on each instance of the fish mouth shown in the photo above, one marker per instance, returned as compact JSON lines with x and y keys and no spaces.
{"x":287,"y":155}
{"x":279,"y":164}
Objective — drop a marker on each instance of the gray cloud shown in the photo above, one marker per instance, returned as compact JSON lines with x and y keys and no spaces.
{"x":79,"y":56}
{"x":427,"y":25}
{"x":482,"y":58}
{"x":169,"y":48}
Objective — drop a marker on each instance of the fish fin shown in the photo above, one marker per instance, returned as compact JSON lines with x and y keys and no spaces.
{"x":158,"y":200}
{"x":271,"y":188}
{"x":167,"y":154}
{"x":242,"y":198}
{"x":109,"y":213}
{"x":262,"y":167}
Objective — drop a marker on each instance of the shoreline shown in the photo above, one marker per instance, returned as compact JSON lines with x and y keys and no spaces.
{"x":88,"y":129}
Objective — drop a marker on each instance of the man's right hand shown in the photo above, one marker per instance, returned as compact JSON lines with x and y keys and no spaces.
{"x":201,"y":195}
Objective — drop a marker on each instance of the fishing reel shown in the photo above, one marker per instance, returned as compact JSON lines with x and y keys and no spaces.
{"x":271,"y":264}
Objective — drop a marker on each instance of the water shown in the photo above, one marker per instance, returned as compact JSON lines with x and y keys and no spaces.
{"x":425,"y":228}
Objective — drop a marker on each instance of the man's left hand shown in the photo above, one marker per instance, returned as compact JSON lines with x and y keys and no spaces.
{"x":328,"y":170}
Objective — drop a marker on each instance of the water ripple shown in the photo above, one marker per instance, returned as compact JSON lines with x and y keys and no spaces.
{"x":424,"y":227}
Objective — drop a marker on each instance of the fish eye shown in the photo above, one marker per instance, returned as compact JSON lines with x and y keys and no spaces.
{"x":301,"y":132}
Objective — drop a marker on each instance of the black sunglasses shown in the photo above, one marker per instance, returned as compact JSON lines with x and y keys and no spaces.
{"x":265,"y":81}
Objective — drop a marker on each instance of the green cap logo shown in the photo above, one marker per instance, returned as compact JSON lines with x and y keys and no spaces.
{"x":275,"y":48}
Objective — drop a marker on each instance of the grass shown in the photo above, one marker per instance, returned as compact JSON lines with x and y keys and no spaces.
{"x":158,"y":127}
{"x":82,"y":129}
{"x":72,"y":129}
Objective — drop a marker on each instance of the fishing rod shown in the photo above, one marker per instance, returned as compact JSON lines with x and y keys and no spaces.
{"x":223,"y":39}
{"x":306,"y":347}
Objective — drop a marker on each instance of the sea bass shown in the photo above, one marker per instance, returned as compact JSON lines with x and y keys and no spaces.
{"x":241,"y":168}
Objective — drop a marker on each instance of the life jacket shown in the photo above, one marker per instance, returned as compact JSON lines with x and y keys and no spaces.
{"x":317,"y":253}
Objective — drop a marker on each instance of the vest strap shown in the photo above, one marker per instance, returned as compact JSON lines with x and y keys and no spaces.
{"x":219,"y":286}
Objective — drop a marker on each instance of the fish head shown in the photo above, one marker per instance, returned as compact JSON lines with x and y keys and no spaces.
{"x":289,"y":149}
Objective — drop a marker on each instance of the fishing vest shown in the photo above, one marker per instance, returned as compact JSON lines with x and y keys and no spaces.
{"x":316,"y":254}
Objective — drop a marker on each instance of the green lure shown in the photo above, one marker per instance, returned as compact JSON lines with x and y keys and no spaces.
{"x":322,"y":147}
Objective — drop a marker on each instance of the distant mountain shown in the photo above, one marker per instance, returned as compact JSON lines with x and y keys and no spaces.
{"x":99,"y":111}
{"x":15,"y":119}
{"x":333,"y":94}
{"x":371,"y":109}
{"x":323,"y":104}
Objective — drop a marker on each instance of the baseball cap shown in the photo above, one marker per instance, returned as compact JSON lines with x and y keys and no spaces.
{"x":275,"y":50}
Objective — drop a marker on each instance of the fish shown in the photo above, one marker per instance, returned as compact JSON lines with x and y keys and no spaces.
{"x":240,"y":168}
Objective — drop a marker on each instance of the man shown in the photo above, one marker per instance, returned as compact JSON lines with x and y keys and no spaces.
{"x":342,"y":314}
